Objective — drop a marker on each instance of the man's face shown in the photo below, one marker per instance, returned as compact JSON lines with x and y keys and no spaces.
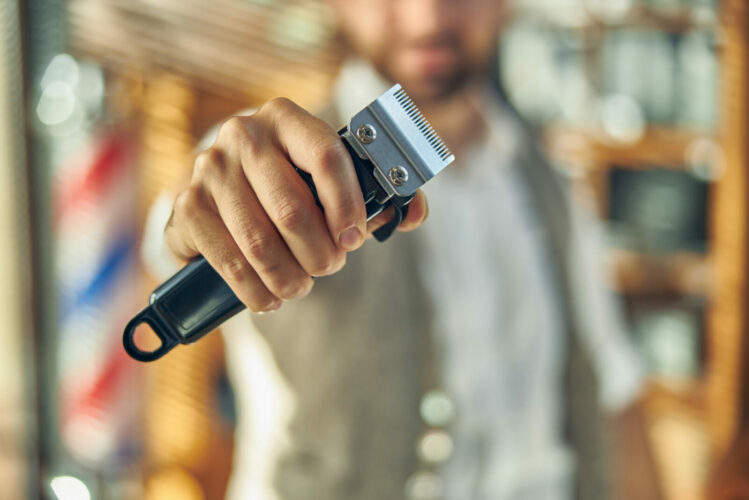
{"x":431,"y":47}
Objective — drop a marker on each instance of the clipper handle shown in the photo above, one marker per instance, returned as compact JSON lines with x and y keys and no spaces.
{"x":192,"y":303}
{"x":196,"y":300}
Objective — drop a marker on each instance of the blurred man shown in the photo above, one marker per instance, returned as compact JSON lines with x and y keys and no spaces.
{"x":452,"y":362}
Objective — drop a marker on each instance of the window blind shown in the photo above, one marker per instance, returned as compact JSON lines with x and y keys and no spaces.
{"x":256,"y":49}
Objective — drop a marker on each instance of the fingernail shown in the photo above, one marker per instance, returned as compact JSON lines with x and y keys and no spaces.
{"x":350,"y":239}
{"x":274,"y":306}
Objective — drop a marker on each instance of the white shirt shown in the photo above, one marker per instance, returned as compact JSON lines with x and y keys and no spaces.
{"x":499,"y":327}
{"x":500,"y":330}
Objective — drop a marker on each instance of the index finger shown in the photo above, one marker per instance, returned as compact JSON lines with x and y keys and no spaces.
{"x":418,"y":211}
{"x":313,"y":146}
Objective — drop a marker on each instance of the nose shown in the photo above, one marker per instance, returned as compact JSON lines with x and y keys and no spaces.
{"x":423,"y":19}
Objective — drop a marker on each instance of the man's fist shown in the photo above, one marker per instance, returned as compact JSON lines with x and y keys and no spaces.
{"x":255,"y":220}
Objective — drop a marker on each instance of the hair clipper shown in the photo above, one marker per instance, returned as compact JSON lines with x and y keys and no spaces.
{"x":394,"y":150}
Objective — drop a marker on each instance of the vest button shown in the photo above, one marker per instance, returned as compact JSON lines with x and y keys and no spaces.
{"x":435,"y":446}
{"x":424,"y":486}
{"x":437,"y":409}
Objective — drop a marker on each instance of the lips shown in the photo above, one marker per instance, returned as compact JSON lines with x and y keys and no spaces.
{"x":429,"y":60}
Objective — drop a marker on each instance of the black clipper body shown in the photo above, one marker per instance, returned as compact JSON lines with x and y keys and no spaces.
{"x":394,"y":150}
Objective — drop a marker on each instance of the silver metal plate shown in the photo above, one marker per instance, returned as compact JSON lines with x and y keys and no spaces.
{"x":403,"y":138}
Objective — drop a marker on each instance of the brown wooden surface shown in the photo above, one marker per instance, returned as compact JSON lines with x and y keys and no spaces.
{"x":727,"y":317}
{"x":231,"y":48}
{"x":593,"y":149}
{"x":683,"y":273}
{"x":188,"y":450}
{"x":731,"y":478}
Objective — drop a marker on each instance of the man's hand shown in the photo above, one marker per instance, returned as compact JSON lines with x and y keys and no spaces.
{"x":254,"y":219}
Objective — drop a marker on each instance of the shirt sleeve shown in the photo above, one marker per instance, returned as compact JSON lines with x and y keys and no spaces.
{"x":602,"y":328}
{"x":155,"y":254}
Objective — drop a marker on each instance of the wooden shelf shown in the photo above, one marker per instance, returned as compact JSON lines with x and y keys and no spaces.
{"x":592,"y":149}
{"x":693,"y":422}
{"x":681,"y":395}
{"x":683,"y":273}
{"x":676,"y":19}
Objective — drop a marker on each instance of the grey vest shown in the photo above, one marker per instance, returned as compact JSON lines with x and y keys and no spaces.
{"x":357,"y":354}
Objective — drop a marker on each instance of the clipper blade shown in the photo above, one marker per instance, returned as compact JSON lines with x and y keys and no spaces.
{"x":423,"y":125}
{"x":403,"y":139}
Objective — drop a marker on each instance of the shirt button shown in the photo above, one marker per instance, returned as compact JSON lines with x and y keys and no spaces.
{"x":424,"y":486}
{"x":436,"y":408}
{"x":435,"y":446}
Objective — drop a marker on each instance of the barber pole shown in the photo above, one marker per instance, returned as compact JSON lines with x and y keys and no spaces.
{"x":95,"y":225}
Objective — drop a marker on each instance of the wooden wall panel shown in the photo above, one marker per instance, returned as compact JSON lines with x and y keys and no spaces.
{"x":727,"y":319}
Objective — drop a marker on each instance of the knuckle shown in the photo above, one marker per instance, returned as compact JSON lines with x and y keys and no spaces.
{"x":241,"y":131}
{"x":210,"y":156}
{"x":208,"y":163}
{"x":351,"y":208}
{"x":266,"y":265}
{"x":329,"y":265}
{"x":294,"y":289}
{"x":188,"y":202}
{"x":329,"y":156}
{"x":279,"y":106}
{"x":236,"y":269}
{"x":258,"y":247}
{"x":232,"y":128}
{"x":291,"y":215}
{"x":319,"y":269}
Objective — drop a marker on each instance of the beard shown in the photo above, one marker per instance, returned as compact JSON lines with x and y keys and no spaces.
{"x":428,"y":88}
{"x":426,"y":84}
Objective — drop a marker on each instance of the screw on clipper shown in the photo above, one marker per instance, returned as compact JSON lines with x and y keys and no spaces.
{"x":398,"y":175}
{"x":366,"y":134}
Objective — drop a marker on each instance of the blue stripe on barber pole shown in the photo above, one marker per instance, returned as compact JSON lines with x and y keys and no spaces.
{"x":114,"y":261}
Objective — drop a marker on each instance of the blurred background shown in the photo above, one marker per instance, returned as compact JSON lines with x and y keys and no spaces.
{"x":102,"y":102}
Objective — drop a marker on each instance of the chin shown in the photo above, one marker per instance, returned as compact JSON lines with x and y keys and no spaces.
{"x":425,"y":87}
{"x":433,"y":88}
